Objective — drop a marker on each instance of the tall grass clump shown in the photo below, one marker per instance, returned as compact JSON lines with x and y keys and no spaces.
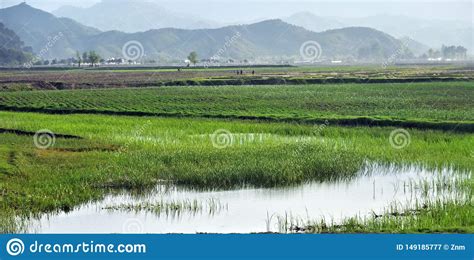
{"x":267,"y":165}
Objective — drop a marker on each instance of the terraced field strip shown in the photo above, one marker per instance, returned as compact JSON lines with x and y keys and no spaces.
{"x":440,"y":105}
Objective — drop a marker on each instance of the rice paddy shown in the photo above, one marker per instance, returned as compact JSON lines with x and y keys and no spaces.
{"x":436,"y":101}
{"x":105,"y":141}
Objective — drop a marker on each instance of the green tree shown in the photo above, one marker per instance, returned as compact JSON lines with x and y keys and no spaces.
{"x":193,"y":57}
{"x":94,"y":58}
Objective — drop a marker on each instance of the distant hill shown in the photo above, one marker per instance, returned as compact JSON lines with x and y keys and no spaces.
{"x":12,"y":49}
{"x":267,"y":40}
{"x":131,"y":16}
{"x":433,"y":33}
{"x":40,"y":29}
{"x":429,"y":33}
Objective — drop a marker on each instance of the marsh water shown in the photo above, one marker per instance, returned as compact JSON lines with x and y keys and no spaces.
{"x":374,"y":190}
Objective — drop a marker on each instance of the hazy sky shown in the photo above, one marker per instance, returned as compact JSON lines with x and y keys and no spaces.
{"x":241,"y":10}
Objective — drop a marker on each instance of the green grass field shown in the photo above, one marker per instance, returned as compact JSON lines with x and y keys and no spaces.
{"x":418,"y":102}
{"x":133,"y":139}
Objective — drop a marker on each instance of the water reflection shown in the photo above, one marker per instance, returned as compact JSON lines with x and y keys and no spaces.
{"x":171,"y":209}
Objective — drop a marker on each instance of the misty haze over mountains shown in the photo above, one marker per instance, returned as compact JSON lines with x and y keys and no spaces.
{"x":132,"y":16}
{"x":269,"y":40}
{"x":170,"y":33}
{"x":231,"y":11}
{"x":138,"y":16}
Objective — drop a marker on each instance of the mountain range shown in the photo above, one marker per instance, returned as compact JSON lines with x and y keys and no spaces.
{"x":132,"y":16}
{"x":55,"y":37}
{"x":141,"y":15}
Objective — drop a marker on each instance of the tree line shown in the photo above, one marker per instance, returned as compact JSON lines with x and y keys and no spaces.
{"x":448,"y":52}
{"x":87,"y":57}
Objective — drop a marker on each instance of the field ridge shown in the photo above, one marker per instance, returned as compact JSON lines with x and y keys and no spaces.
{"x":464,"y":126}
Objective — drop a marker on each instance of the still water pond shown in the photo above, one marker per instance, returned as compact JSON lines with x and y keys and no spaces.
{"x":179,"y":210}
